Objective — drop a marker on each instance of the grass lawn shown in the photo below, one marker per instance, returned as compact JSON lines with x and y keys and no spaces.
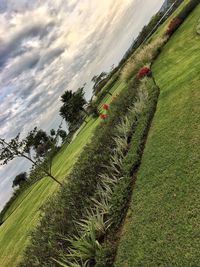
{"x":162,"y":227}
{"x":14,"y":233}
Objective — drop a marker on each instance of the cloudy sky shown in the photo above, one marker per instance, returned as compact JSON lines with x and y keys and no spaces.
{"x":47,"y":47}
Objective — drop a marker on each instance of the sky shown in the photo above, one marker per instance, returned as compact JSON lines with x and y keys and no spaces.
{"x":47,"y":47}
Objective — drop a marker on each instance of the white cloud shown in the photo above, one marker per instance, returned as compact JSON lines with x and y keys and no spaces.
{"x":50,"y":46}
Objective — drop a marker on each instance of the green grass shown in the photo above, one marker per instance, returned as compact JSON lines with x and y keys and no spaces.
{"x":15,"y":232}
{"x":162,"y":226}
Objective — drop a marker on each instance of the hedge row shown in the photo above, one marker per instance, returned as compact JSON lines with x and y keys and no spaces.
{"x":183,"y":14}
{"x":122,"y":193}
{"x":188,"y":9}
{"x":71,"y":202}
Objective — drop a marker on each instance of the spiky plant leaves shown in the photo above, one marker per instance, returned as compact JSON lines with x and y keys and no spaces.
{"x":84,"y":248}
{"x":95,"y":218}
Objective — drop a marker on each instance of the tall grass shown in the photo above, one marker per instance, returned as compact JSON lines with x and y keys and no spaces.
{"x":144,"y":56}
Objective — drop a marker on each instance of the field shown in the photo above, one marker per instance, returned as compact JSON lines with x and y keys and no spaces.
{"x":14,"y":233}
{"x":162,"y":226}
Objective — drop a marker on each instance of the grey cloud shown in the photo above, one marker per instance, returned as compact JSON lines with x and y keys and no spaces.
{"x":3,"y":6}
{"x":8,"y":49}
{"x":23,"y":63}
{"x":27,"y":89}
{"x":5,"y":117}
{"x":49,"y":56}
{"x":36,"y":98}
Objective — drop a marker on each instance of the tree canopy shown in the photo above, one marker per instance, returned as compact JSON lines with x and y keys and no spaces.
{"x":73,"y":105}
{"x":19,"y":179}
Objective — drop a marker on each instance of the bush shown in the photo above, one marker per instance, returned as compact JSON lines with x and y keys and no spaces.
{"x":173,"y":26}
{"x":188,"y":9}
{"x":143,"y":72}
{"x":144,"y":56}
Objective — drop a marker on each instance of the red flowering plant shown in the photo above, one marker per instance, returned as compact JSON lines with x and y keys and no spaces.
{"x":143,"y":72}
{"x":105,"y":106}
{"x":173,"y":25}
{"x":103,"y":116}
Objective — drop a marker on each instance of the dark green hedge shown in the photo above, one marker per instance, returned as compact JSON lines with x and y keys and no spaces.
{"x":123,"y":190}
{"x":188,"y":9}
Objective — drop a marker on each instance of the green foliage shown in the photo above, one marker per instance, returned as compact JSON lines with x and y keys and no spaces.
{"x":73,"y":105}
{"x":85,"y":248}
{"x":62,"y":134}
{"x":188,"y":9}
{"x":92,"y":109}
{"x":20,"y":179}
{"x":104,"y":257}
{"x":143,"y":113}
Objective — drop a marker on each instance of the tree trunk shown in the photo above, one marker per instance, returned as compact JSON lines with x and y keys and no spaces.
{"x":42,"y":169}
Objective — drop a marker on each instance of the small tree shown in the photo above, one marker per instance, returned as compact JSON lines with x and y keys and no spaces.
{"x":19,"y":179}
{"x":93,"y":109}
{"x":73,"y":105}
{"x":16,"y":148}
{"x":52,"y":132}
{"x":63,"y":135}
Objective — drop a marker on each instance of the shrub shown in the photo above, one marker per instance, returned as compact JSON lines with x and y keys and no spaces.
{"x":188,"y":9}
{"x":144,"y":56}
{"x":143,"y":72}
{"x":173,"y":25}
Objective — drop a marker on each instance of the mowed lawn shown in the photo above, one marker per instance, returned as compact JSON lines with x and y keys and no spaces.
{"x":15,"y":232}
{"x":162,"y":227}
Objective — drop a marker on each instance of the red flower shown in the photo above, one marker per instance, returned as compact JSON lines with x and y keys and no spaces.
{"x":105,"y":106}
{"x":103,"y":116}
{"x":145,"y":71}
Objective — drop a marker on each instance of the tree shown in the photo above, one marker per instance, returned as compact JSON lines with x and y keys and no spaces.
{"x":63,"y":135}
{"x":52,"y":132}
{"x":93,"y":109}
{"x":19,"y":179}
{"x":73,"y":105}
{"x":39,"y":141}
{"x":22,"y":148}
{"x":98,"y":78}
